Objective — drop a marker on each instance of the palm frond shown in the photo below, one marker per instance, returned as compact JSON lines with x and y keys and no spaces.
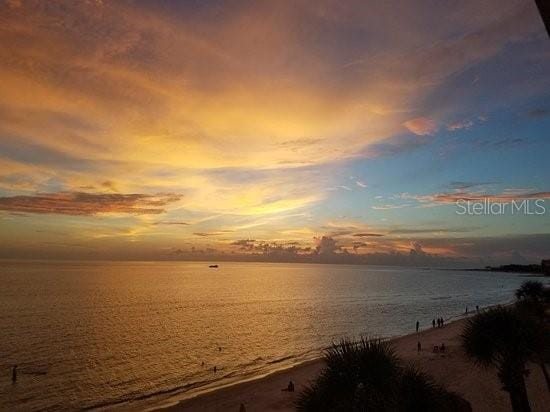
{"x":367,"y":375}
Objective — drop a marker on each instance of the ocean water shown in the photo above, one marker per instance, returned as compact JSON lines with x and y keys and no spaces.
{"x":134,"y":335}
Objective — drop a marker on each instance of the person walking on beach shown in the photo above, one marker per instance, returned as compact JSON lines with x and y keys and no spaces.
{"x":14,"y":374}
{"x":417,"y":325}
{"x":433,"y":323}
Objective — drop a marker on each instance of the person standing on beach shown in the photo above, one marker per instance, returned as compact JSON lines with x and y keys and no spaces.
{"x":290,"y":387}
{"x":417,"y":325}
{"x":433,"y":323}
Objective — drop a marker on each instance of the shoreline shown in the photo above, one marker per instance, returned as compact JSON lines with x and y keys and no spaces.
{"x":233,"y":386}
{"x":298,"y":369}
{"x":452,"y":369}
{"x":167,"y":405}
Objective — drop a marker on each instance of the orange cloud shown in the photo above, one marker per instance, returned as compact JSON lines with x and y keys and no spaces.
{"x":136,"y":84}
{"x":368,"y":235}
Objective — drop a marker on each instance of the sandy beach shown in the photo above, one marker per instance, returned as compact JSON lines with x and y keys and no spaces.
{"x":452,"y":369}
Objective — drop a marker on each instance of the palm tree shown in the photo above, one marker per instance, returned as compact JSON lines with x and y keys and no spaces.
{"x":367,"y":375}
{"x":500,"y":337}
{"x":532,"y":299}
{"x":531,"y":290}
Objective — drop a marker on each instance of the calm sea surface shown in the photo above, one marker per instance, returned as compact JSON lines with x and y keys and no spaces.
{"x":132,"y":335}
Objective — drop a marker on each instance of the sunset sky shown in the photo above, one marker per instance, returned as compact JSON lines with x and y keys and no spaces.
{"x":203,"y":129}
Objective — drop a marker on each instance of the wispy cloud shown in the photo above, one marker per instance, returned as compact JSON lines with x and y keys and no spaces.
{"x":396,"y":145}
{"x":213,"y":233}
{"x":417,"y":231}
{"x":171,"y":223}
{"x":468,"y":185}
{"x":79,"y":203}
{"x":390,"y":206}
{"x":465,"y":124}
{"x":368,"y":234}
{"x":505,"y":196}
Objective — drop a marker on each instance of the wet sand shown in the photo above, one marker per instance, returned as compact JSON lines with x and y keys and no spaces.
{"x":452,"y":369}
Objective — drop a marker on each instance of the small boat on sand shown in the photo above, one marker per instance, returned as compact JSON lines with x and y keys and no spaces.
{"x":213,"y":266}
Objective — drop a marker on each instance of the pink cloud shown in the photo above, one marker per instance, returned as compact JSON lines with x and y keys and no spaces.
{"x":421,"y":126}
{"x":506,"y":196}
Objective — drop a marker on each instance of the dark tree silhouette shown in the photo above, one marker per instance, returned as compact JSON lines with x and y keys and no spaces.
{"x":532,"y":290}
{"x":500,"y":337}
{"x":531,"y":305}
{"x":367,"y":375}
{"x":544,"y":10}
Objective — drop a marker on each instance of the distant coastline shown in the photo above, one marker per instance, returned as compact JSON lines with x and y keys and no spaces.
{"x":533,"y":269}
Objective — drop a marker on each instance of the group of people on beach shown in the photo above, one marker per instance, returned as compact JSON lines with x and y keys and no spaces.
{"x":439,"y":321}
